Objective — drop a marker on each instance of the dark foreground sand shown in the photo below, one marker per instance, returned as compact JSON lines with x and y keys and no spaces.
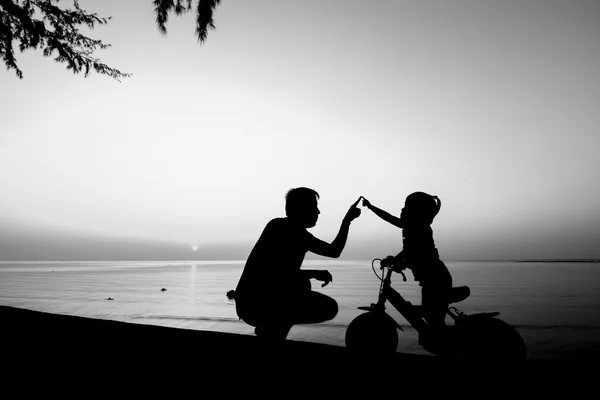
{"x":53,"y":354}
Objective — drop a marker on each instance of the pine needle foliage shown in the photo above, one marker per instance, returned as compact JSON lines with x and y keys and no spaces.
{"x":55,"y":30}
{"x":204,"y":14}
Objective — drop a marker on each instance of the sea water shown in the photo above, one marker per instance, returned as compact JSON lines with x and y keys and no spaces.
{"x":555,"y":306}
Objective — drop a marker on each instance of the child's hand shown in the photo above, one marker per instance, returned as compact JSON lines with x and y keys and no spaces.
{"x":366,"y":203}
{"x":387,"y":262}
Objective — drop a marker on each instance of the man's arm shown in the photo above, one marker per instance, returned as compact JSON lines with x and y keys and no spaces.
{"x":334,"y":249}
{"x":320,"y":275}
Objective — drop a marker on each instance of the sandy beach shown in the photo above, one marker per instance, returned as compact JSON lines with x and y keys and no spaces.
{"x":76,"y":353}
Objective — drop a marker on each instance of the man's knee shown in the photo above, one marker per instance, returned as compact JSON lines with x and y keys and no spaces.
{"x":330,"y":309}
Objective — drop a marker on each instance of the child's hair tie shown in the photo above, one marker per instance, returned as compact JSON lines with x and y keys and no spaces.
{"x":438,"y":205}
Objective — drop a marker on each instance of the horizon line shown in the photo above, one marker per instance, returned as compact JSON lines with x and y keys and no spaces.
{"x":519,"y":260}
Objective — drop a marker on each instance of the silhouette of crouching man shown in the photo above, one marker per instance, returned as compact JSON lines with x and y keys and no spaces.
{"x":273,"y":292}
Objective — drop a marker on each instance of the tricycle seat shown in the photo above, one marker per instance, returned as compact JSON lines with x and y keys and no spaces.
{"x":459,"y":293}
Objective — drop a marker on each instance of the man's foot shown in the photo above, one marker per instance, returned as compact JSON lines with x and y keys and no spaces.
{"x":271,"y":332}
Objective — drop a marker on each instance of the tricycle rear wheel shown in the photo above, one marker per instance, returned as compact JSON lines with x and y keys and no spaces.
{"x":491,"y":343}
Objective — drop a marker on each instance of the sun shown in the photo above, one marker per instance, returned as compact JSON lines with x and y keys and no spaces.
{"x":194,"y":248}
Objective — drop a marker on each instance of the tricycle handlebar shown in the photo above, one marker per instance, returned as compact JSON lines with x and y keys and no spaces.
{"x":390,"y":267}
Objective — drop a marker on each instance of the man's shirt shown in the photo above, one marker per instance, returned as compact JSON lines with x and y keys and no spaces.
{"x":275,"y":259}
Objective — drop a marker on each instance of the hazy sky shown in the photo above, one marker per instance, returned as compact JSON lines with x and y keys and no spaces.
{"x":494,"y":106}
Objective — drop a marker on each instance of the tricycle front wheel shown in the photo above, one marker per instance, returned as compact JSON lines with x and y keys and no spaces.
{"x":372,"y":332}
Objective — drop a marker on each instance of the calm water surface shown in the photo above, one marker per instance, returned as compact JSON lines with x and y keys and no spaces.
{"x":555,"y":306}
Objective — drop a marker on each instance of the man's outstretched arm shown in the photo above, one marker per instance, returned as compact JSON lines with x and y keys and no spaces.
{"x":335,"y":248}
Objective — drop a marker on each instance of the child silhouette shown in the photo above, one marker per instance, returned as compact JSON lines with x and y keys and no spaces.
{"x":420,"y":255}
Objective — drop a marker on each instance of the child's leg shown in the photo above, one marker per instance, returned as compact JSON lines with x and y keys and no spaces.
{"x":436,"y":295}
{"x":434,"y":306}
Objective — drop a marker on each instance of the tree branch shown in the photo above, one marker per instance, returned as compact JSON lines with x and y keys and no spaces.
{"x":204,"y":14}
{"x":57,"y":30}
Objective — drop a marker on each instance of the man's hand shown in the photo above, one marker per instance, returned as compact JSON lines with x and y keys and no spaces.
{"x":353,"y":212}
{"x":323,"y":276}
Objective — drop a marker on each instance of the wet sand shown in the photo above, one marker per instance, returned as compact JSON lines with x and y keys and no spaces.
{"x":53,"y":353}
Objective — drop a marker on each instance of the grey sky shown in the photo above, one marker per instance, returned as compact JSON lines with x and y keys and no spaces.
{"x":492,"y":105}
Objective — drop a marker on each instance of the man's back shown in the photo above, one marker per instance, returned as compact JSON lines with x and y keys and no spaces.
{"x":276,"y":256}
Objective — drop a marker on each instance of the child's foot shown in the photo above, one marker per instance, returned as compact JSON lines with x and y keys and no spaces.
{"x":425,"y":340}
{"x":441,"y":341}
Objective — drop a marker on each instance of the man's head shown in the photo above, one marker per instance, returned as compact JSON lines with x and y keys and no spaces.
{"x":301,"y":205}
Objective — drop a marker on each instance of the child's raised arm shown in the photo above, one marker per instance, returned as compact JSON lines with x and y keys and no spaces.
{"x":384,"y":215}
